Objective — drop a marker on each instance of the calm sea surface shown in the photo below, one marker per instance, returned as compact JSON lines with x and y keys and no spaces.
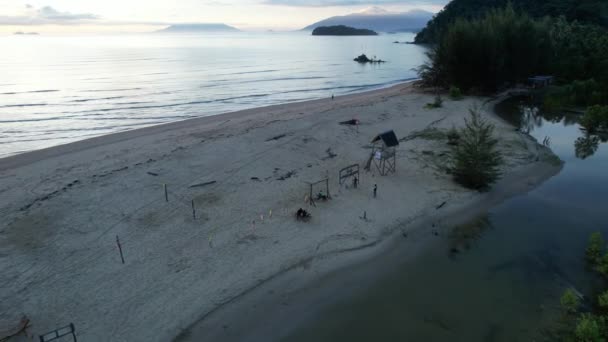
{"x":56,"y":90}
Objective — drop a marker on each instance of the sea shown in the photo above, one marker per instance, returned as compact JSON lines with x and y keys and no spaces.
{"x":60,"y":89}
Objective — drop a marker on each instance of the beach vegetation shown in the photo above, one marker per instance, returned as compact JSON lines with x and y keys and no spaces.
{"x":477,"y":159}
{"x":483,"y":54}
{"x":453,"y":136}
{"x":569,"y":301}
{"x":455,"y":93}
{"x":591,"y":325}
{"x":593,"y":12}
{"x":590,"y":328}
{"x":595,"y":247}
{"x":602,"y":300}
{"x":575,"y":94}
{"x":595,"y":119}
{"x":437,"y":103}
{"x":506,"y":46}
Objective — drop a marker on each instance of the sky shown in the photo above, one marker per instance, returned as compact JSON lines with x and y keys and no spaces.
{"x":81,"y":16}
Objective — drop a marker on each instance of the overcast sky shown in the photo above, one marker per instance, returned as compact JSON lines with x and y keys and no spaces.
{"x":145,"y":15}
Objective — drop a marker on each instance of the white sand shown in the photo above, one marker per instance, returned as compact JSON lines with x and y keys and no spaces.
{"x":63,"y":207}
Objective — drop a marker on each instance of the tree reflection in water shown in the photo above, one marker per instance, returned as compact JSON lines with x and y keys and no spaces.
{"x":525,"y":114}
{"x":588,"y":144}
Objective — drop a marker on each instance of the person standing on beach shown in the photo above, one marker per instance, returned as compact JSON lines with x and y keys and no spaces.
{"x":375,"y":189}
{"x":355,"y":181}
{"x":332,"y":97}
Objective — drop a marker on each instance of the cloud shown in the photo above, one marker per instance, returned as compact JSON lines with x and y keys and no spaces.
{"x":329,"y":3}
{"x":47,"y":15}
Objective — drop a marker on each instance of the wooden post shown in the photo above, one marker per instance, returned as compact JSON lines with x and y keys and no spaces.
{"x":193,"y":211}
{"x":120,"y":250}
{"x":166,"y":194}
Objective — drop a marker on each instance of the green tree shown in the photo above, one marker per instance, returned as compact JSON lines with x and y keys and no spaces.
{"x":595,"y":119}
{"x":569,"y":301}
{"x":594,"y":248}
{"x":602,"y":300}
{"x":477,"y":160}
{"x":455,"y":93}
{"x":503,"y":47}
{"x":590,"y":328}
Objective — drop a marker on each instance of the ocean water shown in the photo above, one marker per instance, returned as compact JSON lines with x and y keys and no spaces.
{"x":55,"y":90}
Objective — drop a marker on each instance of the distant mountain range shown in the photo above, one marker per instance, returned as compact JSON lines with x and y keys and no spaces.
{"x":192,"y":28}
{"x":378,"y":19}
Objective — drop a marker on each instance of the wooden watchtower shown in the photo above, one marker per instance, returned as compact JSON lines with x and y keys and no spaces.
{"x":384,"y":153}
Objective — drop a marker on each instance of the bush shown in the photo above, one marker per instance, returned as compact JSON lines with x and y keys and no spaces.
{"x":453,"y":136}
{"x":595,"y":119}
{"x":602,"y":300}
{"x":569,"y":301}
{"x":476,"y":159}
{"x":455,"y":93}
{"x":602,"y":265}
{"x":590,"y":328}
{"x":595,"y":247}
{"x":438,"y":103}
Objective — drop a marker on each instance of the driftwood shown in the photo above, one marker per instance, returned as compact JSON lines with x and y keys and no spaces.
{"x":202,"y":184}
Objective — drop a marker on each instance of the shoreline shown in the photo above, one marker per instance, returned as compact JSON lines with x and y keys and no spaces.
{"x":29,"y":157}
{"x":259,"y":313}
{"x":246,"y":173}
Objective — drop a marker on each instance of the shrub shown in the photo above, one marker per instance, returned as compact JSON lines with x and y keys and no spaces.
{"x":476,"y":158}
{"x":602,"y":300}
{"x":438,"y":103}
{"x":455,"y":93}
{"x":453,"y":136}
{"x":602,"y":265}
{"x":569,"y":301}
{"x":590,"y":328}
{"x":595,"y":119}
{"x":594,"y":248}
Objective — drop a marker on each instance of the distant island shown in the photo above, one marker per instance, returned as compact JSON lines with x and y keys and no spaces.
{"x":193,"y":28}
{"x":379,"y":20}
{"x":341,"y":30}
{"x":19,"y":33}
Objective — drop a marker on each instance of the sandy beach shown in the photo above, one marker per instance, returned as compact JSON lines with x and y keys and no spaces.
{"x":63,"y":209}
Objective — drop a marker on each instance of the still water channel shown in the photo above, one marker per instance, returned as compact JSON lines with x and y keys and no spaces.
{"x":504,"y":282}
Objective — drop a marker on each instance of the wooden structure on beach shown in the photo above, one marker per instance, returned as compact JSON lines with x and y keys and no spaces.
{"x":310,"y":198}
{"x":540,"y":81}
{"x":384,"y":153}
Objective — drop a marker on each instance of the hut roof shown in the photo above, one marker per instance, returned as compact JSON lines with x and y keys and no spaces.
{"x":388,"y":138}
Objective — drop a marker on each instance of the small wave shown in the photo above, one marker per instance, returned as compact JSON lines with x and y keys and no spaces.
{"x":109,"y":90}
{"x":169,"y":105}
{"x":249,"y":72}
{"x":24,"y":105}
{"x":43,"y":91}
{"x":99,"y":99}
{"x":281,"y":79}
{"x":32,"y":120}
{"x":30,"y":92}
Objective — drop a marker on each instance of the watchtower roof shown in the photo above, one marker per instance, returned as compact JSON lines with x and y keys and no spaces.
{"x":388,"y":138}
